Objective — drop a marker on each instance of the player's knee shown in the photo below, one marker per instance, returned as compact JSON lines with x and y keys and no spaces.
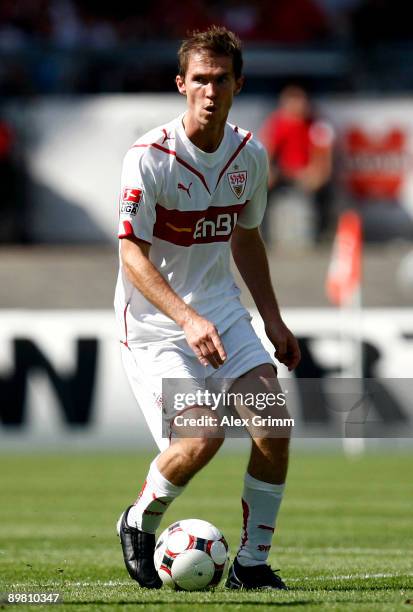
{"x":201,"y":450}
{"x":277,"y":449}
{"x":273,"y":425}
{"x":272,"y":447}
{"x":207,"y":447}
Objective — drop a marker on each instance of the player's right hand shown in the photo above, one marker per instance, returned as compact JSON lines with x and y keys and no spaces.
{"x":203,"y":338}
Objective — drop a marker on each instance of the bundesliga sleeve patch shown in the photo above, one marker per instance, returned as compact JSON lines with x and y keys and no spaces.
{"x":130,"y":201}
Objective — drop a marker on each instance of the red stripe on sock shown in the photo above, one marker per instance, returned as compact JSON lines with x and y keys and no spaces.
{"x":158,"y":500}
{"x":266,"y":527}
{"x":245,"y":516}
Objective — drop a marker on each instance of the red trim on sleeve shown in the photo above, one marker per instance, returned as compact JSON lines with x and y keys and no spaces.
{"x":233,"y":156}
{"x":127,"y":230}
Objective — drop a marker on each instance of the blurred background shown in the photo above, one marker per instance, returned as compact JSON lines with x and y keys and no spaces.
{"x":331,"y":97}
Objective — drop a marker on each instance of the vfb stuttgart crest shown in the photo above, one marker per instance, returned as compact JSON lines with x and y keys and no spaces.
{"x":237,"y":182}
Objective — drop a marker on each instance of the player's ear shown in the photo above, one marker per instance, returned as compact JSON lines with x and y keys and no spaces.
{"x":239,"y":83}
{"x":180,"y":83}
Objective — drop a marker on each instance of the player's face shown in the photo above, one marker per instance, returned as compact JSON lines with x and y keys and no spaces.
{"x":209,"y":86}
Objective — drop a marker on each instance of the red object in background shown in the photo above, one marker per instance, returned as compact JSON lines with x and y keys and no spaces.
{"x":375,"y":163}
{"x":286,"y":139}
{"x":176,"y":20}
{"x":6,"y":139}
{"x":294,"y":22}
{"x":292,"y":141}
{"x":344,"y":273}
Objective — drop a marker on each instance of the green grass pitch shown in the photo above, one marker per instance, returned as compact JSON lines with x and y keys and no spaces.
{"x":344,"y":539}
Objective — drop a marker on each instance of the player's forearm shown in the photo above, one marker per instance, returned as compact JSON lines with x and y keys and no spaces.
{"x":251,"y":260}
{"x":148,"y":280}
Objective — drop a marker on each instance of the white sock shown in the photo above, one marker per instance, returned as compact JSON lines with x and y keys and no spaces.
{"x":155,"y":496}
{"x":260,"y":504}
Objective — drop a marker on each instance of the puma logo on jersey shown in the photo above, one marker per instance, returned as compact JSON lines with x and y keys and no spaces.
{"x":222,"y":226}
{"x":166,"y":136}
{"x":183,"y":188}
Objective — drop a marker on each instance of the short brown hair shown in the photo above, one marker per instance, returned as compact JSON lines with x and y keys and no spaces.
{"x":216,"y":40}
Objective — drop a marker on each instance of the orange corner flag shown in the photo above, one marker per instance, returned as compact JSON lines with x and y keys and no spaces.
{"x":344,"y":272}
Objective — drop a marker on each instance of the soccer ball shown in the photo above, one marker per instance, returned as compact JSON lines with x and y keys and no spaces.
{"x":191,"y":555}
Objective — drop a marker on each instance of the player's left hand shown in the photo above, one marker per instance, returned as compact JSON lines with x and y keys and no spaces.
{"x":286,"y":345}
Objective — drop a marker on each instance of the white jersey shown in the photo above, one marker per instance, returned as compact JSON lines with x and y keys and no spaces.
{"x":186,"y":203}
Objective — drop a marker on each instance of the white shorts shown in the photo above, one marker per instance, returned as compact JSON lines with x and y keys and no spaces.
{"x":146,"y":367}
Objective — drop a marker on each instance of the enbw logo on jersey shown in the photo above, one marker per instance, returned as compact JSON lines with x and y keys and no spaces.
{"x":223,"y":226}
{"x":188,"y":227}
{"x":237,"y":182}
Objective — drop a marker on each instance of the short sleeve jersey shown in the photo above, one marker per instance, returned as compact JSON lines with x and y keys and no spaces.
{"x":186,"y":203}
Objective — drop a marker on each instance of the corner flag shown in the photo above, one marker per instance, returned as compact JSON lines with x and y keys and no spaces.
{"x":344,"y":273}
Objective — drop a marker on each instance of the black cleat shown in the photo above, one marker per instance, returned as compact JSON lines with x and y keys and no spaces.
{"x":138,"y":548}
{"x":255,"y":577}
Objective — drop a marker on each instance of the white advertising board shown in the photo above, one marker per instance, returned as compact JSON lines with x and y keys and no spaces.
{"x":62,"y":382}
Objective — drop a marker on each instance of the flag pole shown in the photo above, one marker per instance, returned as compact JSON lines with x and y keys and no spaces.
{"x":343,"y":288}
{"x":355,"y":446}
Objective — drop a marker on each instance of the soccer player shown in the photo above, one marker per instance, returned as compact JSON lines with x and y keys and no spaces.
{"x":192,"y":191}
